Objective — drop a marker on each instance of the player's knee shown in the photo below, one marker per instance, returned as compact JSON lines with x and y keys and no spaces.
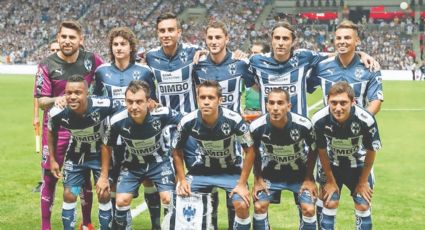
{"x":70,"y":194}
{"x":165,"y":197}
{"x":333,"y":204}
{"x":241,"y":209}
{"x":122,"y":201}
{"x":104,"y":198}
{"x":307,"y":209}
{"x":260,"y":207}
{"x":361,"y":207}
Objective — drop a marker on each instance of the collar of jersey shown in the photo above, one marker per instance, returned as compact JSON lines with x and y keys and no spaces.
{"x":353,"y":62}
{"x":179,"y":48}
{"x":128,"y":67}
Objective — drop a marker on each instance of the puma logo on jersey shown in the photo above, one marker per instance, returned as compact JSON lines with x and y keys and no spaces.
{"x":66,"y":120}
{"x":127,"y":130}
{"x":329,"y":128}
{"x":59,"y":71}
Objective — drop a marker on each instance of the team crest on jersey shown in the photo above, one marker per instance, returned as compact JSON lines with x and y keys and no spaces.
{"x":294,"y":61}
{"x":136,"y":75}
{"x":232,"y":68}
{"x":372,"y":131}
{"x":225,"y":128}
{"x":376,"y":144}
{"x":355,"y":128}
{"x":88,"y":64}
{"x":156,"y":125}
{"x":174,"y":113}
{"x":294,"y":134}
{"x":358,"y":72}
{"x":189,"y":213}
{"x":183,"y":57}
{"x":95,"y":116}
{"x":244,"y":128}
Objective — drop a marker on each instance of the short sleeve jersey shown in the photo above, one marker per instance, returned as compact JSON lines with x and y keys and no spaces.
{"x":231,"y":74}
{"x":144,"y":142}
{"x":367,"y":85}
{"x":218,"y":147}
{"x":112,"y":82}
{"x":290,"y":75}
{"x":87,"y":132}
{"x":173,"y":76}
{"x":344,"y":143}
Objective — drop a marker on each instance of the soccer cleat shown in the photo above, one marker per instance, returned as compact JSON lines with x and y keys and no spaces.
{"x":88,"y":227}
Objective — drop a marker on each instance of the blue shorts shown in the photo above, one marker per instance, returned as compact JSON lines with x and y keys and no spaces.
{"x":350,"y":178}
{"x":75,"y":175}
{"x":162,"y":174}
{"x":277,"y":187}
{"x":205,"y":184}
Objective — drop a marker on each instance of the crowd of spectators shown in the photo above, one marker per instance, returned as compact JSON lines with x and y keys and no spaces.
{"x":25,"y":36}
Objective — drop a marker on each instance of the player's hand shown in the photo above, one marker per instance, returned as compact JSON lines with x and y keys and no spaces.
{"x":183,"y":188}
{"x":239,"y":55}
{"x":364,"y":190}
{"x":369,"y":62}
{"x":153,"y":105}
{"x":198,"y":55}
{"x":259,"y":185}
{"x":55,"y":169}
{"x":102,"y":187}
{"x":243,"y":192}
{"x":60,"y":102}
{"x":310,"y":186}
{"x":328,"y":190}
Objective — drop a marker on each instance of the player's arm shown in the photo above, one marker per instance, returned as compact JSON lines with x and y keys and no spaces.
{"x":374,"y":106}
{"x":363,"y":187}
{"x":36,"y":119}
{"x":330,"y":187}
{"x":47,"y":102}
{"x":183,"y":187}
{"x":52,"y":137}
{"x":241,"y":188}
{"x":259,"y":183}
{"x":102,"y":185}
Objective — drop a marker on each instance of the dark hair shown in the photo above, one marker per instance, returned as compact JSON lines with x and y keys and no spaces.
{"x":279,"y":91}
{"x":77,"y":78}
{"x":212,"y":84}
{"x":165,"y":16}
{"x":341,"y":87}
{"x":285,"y":25}
{"x":137,"y":85}
{"x":217,"y":25}
{"x":128,"y":35}
{"x":266,"y":47}
{"x":71,"y":24}
{"x":53,"y":41}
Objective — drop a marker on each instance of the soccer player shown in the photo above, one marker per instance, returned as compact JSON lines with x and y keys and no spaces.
{"x":86,"y":119}
{"x":344,"y":131}
{"x":259,"y":47}
{"x":146,"y":153}
{"x":51,"y":77}
{"x":112,"y":79}
{"x":285,"y":141}
{"x":53,"y":48}
{"x":219,"y":133}
{"x":346,"y":66}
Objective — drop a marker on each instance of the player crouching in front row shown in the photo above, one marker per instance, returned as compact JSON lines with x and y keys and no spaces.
{"x":347,"y":139}
{"x":85,"y":117}
{"x":283,"y":144}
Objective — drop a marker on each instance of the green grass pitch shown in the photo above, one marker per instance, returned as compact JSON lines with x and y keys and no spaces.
{"x":399,"y":196}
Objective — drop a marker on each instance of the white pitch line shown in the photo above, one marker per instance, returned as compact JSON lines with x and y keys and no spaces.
{"x":139,"y":209}
{"x":403,"y":109}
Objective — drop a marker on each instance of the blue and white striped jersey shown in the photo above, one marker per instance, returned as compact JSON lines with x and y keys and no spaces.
{"x":87,"y":132}
{"x":218,"y":147}
{"x":173,"y":76}
{"x":290,"y":75}
{"x":112,"y":82}
{"x":367,"y":85}
{"x":344,"y":143}
{"x":145,"y":142}
{"x":283,"y":151}
{"x":230,"y":74}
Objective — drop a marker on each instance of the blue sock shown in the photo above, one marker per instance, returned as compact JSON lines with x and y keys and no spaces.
{"x":328,"y":219}
{"x":363,"y":220}
{"x":319,"y":207}
{"x":308,"y":223}
{"x":123,"y":218}
{"x":69,"y":215}
{"x":242,"y":224}
{"x":154,"y":204}
{"x":260,"y":221}
{"x":105,"y":215}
